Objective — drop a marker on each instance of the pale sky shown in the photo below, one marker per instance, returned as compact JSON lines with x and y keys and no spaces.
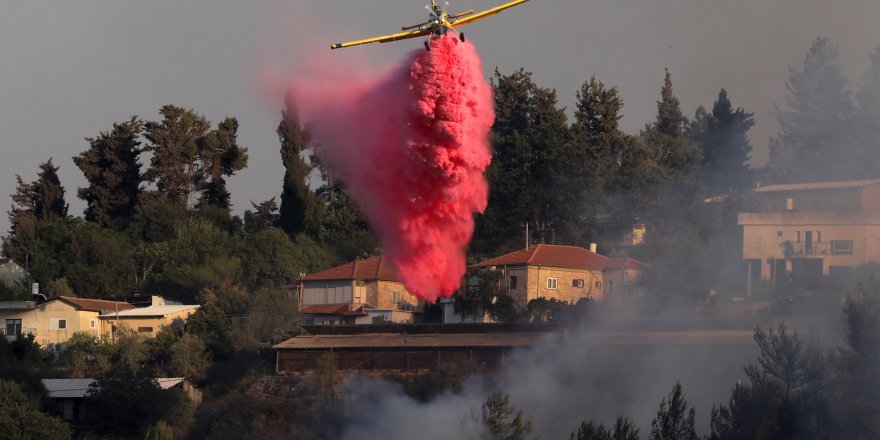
{"x":71,"y":69}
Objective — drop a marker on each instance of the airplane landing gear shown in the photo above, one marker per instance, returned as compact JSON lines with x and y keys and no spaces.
{"x":461,"y":36}
{"x":427,"y":47}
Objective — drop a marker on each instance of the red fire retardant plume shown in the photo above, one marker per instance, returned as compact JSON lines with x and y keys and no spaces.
{"x":411,"y":149}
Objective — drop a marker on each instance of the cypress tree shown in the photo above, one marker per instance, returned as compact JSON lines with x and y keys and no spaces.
{"x":596,"y":124}
{"x":300,"y":210}
{"x":722,"y":137}
{"x":48,"y":194}
{"x":221,"y":156}
{"x":677,"y":154}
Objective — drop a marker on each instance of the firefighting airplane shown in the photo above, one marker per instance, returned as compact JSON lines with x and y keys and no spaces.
{"x":438,"y":24}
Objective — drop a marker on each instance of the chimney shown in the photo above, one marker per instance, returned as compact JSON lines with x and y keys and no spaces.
{"x":593,"y":247}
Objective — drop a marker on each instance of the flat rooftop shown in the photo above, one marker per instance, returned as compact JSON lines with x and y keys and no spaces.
{"x":406,"y":341}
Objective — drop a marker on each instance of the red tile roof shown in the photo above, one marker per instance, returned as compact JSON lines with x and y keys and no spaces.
{"x":626,"y":263}
{"x":574,"y":257}
{"x":375,"y":268}
{"x":332,"y":309}
{"x":94,"y":305}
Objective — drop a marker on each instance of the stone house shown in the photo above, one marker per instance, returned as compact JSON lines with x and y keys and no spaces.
{"x":566,"y":273}
{"x":359,"y":292}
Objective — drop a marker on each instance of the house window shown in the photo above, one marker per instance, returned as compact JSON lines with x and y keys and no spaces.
{"x":577,"y":283}
{"x":512,"y":283}
{"x":818,"y":236}
{"x":145,"y":329}
{"x":598,"y":284}
{"x":57,"y":324}
{"x":841,"y":246}
{"x":395,"y":297}
{"x":779,"y":233}
{"x":93,"y":323}
{"x":798,"y":235}
{"x":13,"y":327}
{"x":551,"y":283}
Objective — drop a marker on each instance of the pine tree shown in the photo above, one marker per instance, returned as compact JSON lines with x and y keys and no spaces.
{"x":674,"y":420}
{"x":502,"y":421}
{"x":722,"y":137}
{"x":816,"y":141}
{"x":535,"y":175}
{"x":111,"y":167}
{"x":866,"y":128}
{"x":857,"y":363}
{"x":300,"y":207}
{"x":624,"y":429}
{"x":174,"y":145}
{"x":591,"y":431}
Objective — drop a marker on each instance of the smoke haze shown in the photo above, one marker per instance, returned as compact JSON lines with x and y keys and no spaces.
{"x":411,"y":148}
{"x":84,"y":66}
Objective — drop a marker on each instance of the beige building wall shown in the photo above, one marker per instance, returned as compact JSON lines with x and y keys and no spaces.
{"x":29,"y":319}
{"x":147,"y":326}
{"x":50,"y":314}
{"x":621,"y":286}
{"x":767,"y":236}
{"x":871,"y":199}
{"x":519,"y":293}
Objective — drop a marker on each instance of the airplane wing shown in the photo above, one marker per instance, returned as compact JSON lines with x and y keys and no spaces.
{"x":486,"y":13}
{"x":384,"y":39}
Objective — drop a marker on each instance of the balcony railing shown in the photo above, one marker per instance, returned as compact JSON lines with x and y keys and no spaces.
{"x":24,"y":331}
{"x":801,"y":249}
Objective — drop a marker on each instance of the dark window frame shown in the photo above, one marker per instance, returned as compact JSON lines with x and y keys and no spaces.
{"x":841,"y":247}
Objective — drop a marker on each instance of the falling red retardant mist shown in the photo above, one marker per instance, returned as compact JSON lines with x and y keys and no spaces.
{"x":411,"y":148}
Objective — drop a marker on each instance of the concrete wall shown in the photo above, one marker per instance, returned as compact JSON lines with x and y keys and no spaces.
{"x":871,"y":199}
{"x":775,"y":237}
{"x":826,"y":200}
{"x":145,"y":326}
{"x":48,"y":314}
{"x":520,"y":293}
